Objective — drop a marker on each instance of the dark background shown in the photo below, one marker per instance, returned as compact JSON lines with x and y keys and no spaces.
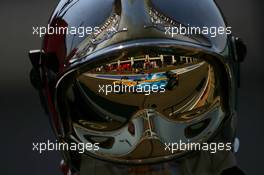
{"x":23,"y":120}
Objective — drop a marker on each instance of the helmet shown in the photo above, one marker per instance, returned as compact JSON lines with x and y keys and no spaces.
{"x":133,"y":83}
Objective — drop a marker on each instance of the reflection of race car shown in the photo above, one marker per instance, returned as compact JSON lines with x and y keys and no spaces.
{"x":157,"y":80}
{"x":162,"y":80}
{"x":173,"y":80}
{"x":126,"y":82}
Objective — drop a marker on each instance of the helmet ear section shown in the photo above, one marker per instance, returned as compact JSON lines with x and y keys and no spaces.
{"x":239,"y":54}
{"x":240,"y":49}
{"x":35,"y":57}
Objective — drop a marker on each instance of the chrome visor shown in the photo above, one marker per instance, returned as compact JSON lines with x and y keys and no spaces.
{"x":133,"y":104}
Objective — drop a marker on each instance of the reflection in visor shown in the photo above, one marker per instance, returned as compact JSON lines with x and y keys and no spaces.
{"x":161,"y":98}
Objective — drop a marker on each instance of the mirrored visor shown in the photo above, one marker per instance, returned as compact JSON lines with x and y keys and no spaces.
{"x":179,"y":85}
